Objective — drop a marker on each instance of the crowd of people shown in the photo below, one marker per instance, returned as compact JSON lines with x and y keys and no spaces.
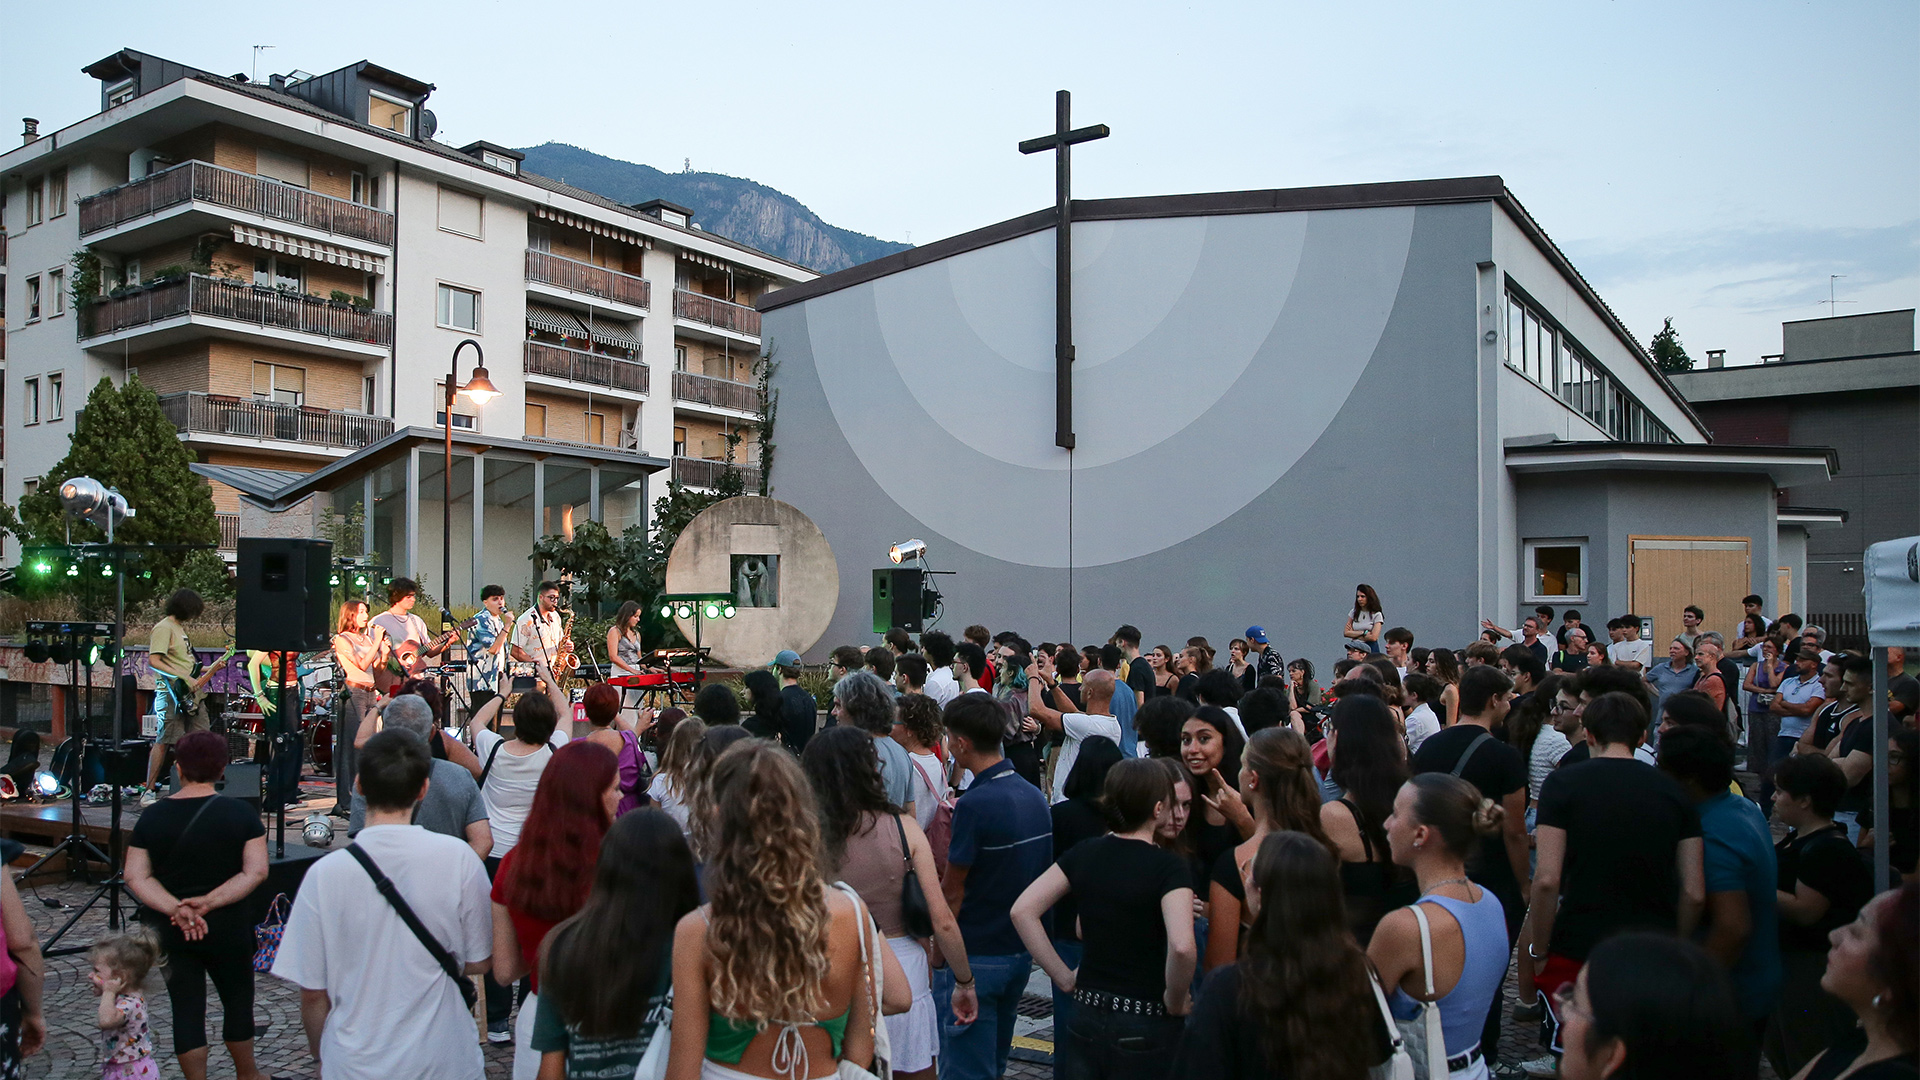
{"x":1224,"y":871}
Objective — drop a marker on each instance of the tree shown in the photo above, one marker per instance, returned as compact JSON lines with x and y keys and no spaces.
{"x":124,"y":440}
{"x":1668,"y":354}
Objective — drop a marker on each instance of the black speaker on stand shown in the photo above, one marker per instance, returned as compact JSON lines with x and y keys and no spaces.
{"x":283,"y":598}
{"x":896,"y":598}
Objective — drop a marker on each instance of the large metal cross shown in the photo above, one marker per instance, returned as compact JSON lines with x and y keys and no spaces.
{"x":1061,"y":143}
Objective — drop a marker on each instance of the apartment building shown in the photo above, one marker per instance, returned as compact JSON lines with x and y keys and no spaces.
{"x":290,"y":265}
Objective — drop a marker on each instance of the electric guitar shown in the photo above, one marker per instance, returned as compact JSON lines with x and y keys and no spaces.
{"x":193,"y":689}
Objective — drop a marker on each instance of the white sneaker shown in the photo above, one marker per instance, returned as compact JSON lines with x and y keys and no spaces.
{"x":149,"y":797}
{"x":1546,"y":1066}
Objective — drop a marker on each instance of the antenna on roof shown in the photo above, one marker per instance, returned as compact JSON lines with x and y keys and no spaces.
{"x":256,"y":60}
{"x":1833,"y":305}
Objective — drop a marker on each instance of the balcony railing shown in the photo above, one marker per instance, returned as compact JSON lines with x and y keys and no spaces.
{"x":574,"y":365}
{"x":226,"y":299}
{"x":229,"y":531}
{"x":715,"y":312}
{"x":255,"y":418}
{"x":706,"y":473}
{"x":576,"y":276}
{"x":723,"y":393}
{"x":197,"y":181}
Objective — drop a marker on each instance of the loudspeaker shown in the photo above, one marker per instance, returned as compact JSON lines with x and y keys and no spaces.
{"x":283,"y":595}
{"x":896,"y":599}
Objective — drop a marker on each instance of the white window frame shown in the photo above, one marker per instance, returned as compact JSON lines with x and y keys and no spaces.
{"x":122,"y":92}
{"x":357,"y":189}
{"x":57,"y":207}
{"x":56,"y":396}
{"x":272,"y":389}
{"x":412,"y":111}
{"x":30,"y":402}
{"x":370,"y":394}
{"x":36,"y":200}
{"x":35,"y":299}
{"x":57,"y":286}
{"x":442,"y":299}
{"x":1529,"y":547}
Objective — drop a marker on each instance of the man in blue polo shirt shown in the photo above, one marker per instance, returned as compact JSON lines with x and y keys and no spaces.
{"x":1002,"y":841}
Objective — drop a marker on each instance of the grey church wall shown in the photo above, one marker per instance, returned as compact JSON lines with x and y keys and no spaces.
{"x":1271,"y":408}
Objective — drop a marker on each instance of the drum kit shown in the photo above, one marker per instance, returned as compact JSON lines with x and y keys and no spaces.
{"x":246,"y":726}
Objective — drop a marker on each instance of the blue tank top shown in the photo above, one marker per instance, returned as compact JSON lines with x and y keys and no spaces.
{"x":1463,"y":1010}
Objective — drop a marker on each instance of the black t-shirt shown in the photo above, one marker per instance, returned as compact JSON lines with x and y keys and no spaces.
{"x":799,"y":714}
{"x":1226,"y":873}
{"x":1207,"y":843}
{"x":1624,"y":819}
{"x":1571,"y":663}
{"x":1497,"y":770}
{"x":1140,"y":675}
{"x":1828,"y":862}
{"x":192,"y":856}
{"x":1223,"y":1043}
{"x":1119,"y":884}
{"x":1185,"y":687}
{"x":1848,"y":1049}
{"x":1579,"y":752}
{"x":1074,"y":820}
{"x":1858,"y":737}
{"x":1905,"y":689}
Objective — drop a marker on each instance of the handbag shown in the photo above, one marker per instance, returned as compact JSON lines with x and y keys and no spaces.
{"x":267,"y":935}
{"x":874,"y":978}
{"x":1426,"y":1044}
{"x":1399,"y":1063}
{"x":653,"y":1063}
{"x":914,"y":911}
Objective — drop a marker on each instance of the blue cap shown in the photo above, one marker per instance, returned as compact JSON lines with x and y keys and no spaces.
{"x":786,"y":658}
{"x":1257,"y":633}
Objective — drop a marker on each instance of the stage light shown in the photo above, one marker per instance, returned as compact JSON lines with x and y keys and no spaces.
{"x":666,"y":611}
{"x":84,"y":497}
{"x":36,"y":650}
{"x":47,"y":784}
{"x":318,"y":831}
{"x":910,"y":549}
{"x":42,"y":567}
{"x":106,"y":569}
{"x":712,"y":610}
{"x":727,"y":612}
{"x":683,"y":610}
{"x":360,"y":581}
{"x":334,"y":579}
{"x":73,"y":569}
{"x":61,"y":651}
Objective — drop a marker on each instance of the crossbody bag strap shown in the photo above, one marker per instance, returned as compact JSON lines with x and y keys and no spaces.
{"x":488,"y":767}
{"x":1386,"y":1013}
{"x":1436,"y":1034}
{"x":866,"y":966}
{"x":1479,"y":740}
{"x":439,"y":952}
{"x":939,"y":794}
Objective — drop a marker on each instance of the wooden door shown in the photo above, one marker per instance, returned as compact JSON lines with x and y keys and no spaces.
{"x":1782,"y":590}
{"x":1669,"y":572}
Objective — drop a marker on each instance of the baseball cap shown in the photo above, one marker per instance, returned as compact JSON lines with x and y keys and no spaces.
{"x":1257,"y":633}
{"x":786,"y":658}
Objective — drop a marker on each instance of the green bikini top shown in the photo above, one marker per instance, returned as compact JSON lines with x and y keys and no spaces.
{"x":728,"y":1039}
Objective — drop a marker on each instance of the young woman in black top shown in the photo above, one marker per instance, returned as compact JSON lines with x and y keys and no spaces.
{"x":1136,"y":926}
{"x":1369,"y":765}
{"x":1297,"y":1003}
{"x":1276,"y":778}
{"x":1080,"y":816}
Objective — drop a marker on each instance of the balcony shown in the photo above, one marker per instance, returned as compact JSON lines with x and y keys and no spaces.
{"x":705,"y":390}
{"x":195,"y":412}
{"x":225,"y":304}
{"x":196,"y":182}
{"x":706,"y":473}
{"x":710,"y":311}
{"x":586,"y":279}
{"x":229,"y":531}
{"x":574,"y":365}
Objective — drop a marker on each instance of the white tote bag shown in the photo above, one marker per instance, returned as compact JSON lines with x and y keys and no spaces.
{"x":1426,"y":1045}
{"x":653,"y":1064}
{"x":873,"y":980}
{"x":1399,"y":1063}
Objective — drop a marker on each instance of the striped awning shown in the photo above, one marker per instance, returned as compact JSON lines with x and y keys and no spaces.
{"x":613,"y":334}
{"x":554,"y":321}
{"x":594,"y":227}
{"x":303,"y":248}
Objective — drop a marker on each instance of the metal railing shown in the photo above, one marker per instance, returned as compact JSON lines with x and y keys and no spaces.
{"x":723,"y":393}
{"x":223,"y":298}
{"x":256,"y":418}
{"x":706,"y":473}
{"x":198,"y":181}
{"x":574,"y":365}
{"x":715,"y":312}
{"x":229,"y":531}
{"x":1845,"y":630}
{"x":576,"y":276}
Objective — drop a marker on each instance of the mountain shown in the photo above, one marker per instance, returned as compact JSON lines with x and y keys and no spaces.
{"x":740,"y":210}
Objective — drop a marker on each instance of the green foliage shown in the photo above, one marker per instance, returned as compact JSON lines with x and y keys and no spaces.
{"x":591,"y":557}
{"x":124,"y":440}
{"x":819,"y":683}
{"x":84,"y":283}
{"x":1668,"y":354}
{"x":769,"y":403}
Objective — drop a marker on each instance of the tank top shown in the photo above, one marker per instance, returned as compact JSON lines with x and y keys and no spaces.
{"x":629,"y":650}
{"x":874,"y":865}
{"x":1463,"y":1010}
{"x":1376,"y":886}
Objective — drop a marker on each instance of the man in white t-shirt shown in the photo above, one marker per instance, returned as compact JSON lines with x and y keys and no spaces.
{"x":537,"y":635}
{"x":941,"y":685}
{"x":373,"y":1000}
{"x":1096,"y":693}
{"x":1631,"y":652}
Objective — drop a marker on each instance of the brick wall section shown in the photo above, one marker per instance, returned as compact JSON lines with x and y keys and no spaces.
{"x":707,"y":438}
{"x":231,"y":148}
{"x":331,"y":384}
{"x":171,"y":370}
{"x":706,"y":358}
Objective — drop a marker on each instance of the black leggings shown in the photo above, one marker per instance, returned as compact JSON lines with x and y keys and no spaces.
{"x":190,"y":964}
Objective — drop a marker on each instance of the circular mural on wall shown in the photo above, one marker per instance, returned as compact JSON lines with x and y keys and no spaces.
{"x":774,"y":563}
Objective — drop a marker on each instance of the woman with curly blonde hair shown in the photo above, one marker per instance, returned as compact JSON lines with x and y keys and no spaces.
{"x":767,"y":976}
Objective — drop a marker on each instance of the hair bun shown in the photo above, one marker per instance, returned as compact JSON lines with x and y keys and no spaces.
{"x":1488,"y":818}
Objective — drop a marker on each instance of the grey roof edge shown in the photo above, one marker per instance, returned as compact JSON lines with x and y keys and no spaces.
{"x":1828,"y":512}
{"x":247,"y":479}
{"x":1261,"y":201}
{"x":1527,"y":447}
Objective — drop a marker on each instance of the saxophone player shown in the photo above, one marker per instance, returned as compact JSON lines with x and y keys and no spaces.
{"x":537,"y":635}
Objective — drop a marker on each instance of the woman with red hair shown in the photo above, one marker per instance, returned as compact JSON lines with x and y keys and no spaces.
{"x":602,"y":705}
{"x":547,"y":875}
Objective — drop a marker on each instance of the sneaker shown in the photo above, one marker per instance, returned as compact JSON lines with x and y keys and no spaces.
{"x":499,"y":1031}
{"x":1528,"y":1014}
{"x":1544,"y":1066}
{"x":149,"y":797}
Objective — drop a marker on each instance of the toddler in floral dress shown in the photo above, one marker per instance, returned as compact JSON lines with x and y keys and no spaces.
{"x":120,"y":965}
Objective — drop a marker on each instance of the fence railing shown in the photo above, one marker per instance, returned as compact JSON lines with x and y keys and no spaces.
{"x":707,"y":390}
{"x":255,"y":418}
{"x":222,"y":298}
{"x":229,"y":531}
{"x":706,"y":473}
{"x":198,"y":181}
{"x":574,"y":365}
{"x":1844,"y":630}
{"x":576,"y":276}
{"x":715,"y":312}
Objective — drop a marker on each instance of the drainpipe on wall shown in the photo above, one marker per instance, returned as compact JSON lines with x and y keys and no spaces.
{"x":393,"y":302}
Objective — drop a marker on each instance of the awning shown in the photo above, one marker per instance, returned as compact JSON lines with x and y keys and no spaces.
{"x":594,"y":227}
{"x":613,"y":334}
{"x":554,"y":321}
{"x":308,"y":249}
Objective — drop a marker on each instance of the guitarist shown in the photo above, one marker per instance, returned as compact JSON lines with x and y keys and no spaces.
{"x":177,"y":682}
{"x":412,"y":646}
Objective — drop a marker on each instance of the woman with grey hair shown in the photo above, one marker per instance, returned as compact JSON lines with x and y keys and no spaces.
{"x":863,"y":700}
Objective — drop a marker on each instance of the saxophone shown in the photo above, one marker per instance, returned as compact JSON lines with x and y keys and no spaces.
{"x":567,"y":660}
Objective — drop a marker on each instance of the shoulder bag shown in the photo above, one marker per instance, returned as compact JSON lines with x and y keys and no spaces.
{"x":438,"y":951}
{"x":267,"y":935}
{"x":874,"y":979}
{"x":1399,"y":1063}
{"x":653,"y":1063}
{"x":1425,"y":1043}
{"x":940,"y":827}
{"x":914,"y":911}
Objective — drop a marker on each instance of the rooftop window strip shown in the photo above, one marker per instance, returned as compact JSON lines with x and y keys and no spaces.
{"x":1539,"y":349}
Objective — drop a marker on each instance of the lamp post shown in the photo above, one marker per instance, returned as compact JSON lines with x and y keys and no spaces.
{"x":479,"y":390}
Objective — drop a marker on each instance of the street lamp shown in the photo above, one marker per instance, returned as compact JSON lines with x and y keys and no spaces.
{"x":479,"y":390}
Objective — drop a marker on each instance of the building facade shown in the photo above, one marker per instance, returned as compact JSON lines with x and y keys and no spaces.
{"x":291,"y":264}
{"x":1277,"y":395}
{"x":1852,"y":383}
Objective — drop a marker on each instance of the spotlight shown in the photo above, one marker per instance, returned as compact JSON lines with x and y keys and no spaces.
{"x":42,"y":567}
{"x":683,"y":610}
{"x":318,"y":831}
{"x":73,"y":569}
{"x":727,"y":611}
{"x":910,"y":549}
{"x":334,"y":579}
{"x":37,"y":650}
{"x":85,"y":497}
{"x":61,"y":651}
{"x":711,"y":611}
{"x":666,"y":611}
{"x":47,"y":784}
{"x":106,"y":569}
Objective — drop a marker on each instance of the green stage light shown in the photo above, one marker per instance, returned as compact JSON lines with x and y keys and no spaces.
{"x":42,"y":567}
{"x":73,"y":570}
{"x":334,"y":580}
{"x":683,"y":610}
{"x":106,"y":569}
{"x":712,"y":610}
{"x":666,"y":611}
{"x":360,"y":581}
{"x":727,"y":612}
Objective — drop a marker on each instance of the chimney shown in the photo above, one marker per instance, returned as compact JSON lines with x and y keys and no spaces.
{"x":1716,"y":358}
{"x":29,"y":129}
{"x":277,"y":82}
